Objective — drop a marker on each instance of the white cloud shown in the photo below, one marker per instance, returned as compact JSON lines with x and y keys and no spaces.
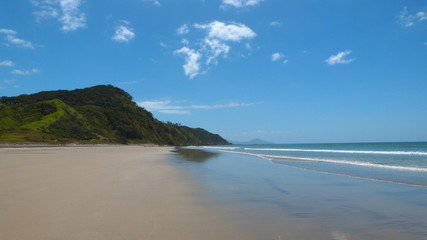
{"x":155,"y":2}
{"x":183,"y":29}
{"x":71,"y":17}
{"x":275,"y":23}
{"x":168,"y":107}
{"x":228,"y":105}
{"x":47,"y":9}
{"x":192,"y":57}
{"x":340,"y":58}
{"x":6,"y":63}
{"x":227,"y":32}
{"x":185,"y":41}
{"x":240,"y":3}
{"x":9,"y":81}
{"x":215,"y":43}
{"x":276,"y":56}
{"x":163,"y":106}
{"x":10,"y":36}
{"x":25,"y":72}
{"x":7,"y":31}
{"x":408,"y":20}
{"x":162,"y":44}
{"x":215,"y":49}
{"x":65,"y":11}
{"x":123,"y":33}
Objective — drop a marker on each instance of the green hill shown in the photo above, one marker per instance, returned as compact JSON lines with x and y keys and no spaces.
{"x":98,"y":114}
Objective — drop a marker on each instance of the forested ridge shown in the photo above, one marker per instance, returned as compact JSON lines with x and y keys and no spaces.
{"x":98,"y":114}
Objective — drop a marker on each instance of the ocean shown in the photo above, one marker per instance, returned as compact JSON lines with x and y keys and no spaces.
{"x":340,"y":191}
{"x":404,"y":163}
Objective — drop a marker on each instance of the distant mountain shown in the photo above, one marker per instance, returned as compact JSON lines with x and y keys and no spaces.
{"x":98,"y":114}
{"x":255,"y":141}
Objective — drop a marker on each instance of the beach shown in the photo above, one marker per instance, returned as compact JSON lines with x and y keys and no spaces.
{"x":137,"y":192}
{"x":113,"y":192}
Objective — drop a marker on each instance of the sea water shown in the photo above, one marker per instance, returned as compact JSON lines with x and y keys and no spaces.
{"x":315,"y":191}
{"x":404,"y":163}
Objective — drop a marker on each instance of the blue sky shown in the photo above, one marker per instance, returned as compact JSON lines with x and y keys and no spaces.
{"x":283,"y":71}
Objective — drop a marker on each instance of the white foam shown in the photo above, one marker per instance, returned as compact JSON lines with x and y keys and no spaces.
{"x":340,"y":151}
{"x":221,"y":148}
{"x":356,"y":163}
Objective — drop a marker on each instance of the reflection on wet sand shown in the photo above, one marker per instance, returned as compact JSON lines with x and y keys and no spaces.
{"x":195,"y":155}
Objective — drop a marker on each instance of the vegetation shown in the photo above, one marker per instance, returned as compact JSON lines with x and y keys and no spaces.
{"x":98,"y":114}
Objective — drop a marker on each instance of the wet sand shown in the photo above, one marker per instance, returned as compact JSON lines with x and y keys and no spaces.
{"x":272,"y":201}
{"x":135,"y":192}
{"x":115,"y":192}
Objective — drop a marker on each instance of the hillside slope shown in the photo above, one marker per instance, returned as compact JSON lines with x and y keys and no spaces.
{"x":91,"y":115}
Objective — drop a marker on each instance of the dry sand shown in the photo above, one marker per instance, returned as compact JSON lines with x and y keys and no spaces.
{"x":115,"y":192}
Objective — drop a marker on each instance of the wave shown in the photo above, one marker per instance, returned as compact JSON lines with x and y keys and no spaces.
{"x":221,"y":148}
{"x":355,"y":163}
{"x":409,"y":153}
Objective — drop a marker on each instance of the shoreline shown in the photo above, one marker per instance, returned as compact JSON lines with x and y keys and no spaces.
{"x":114,"y":192}
{"x":41,"y":145}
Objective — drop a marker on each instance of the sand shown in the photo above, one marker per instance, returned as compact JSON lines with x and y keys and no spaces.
{"x":114,"y":192}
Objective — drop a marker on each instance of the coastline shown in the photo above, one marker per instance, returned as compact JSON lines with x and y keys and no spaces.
{"x":272,"y":201}
{"x":112,"y":192}
{"x":137,"y":192}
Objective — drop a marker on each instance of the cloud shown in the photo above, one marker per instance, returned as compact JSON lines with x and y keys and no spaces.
{"x":168,"y":107}
{"x":408,"y":20}
{"x":71,"y":17}
{"x":216,"y":42}
{"x":25,"y":72}
{"x":339,"y":236}
{"x":6,"y":63}
{"x":339,"y":58}
{"x":65,"y":11}
{"x":183,"y":29}
{"x":9,"y":81}
{"x":155,"y":2}
{"x":215,"y":48}
{"x":10,"y":36}
{"x":162,"y":106}
{"x":192,"y":57}
{"x":227,"y":32}
{"x":123,"y":33}
{"x":275,"y":24}
{"x":162,"y":44}
{"x":240,"y":3}
{"x":276,"y":56}
{"x":47,"y":9}
{"x":185,"y":41}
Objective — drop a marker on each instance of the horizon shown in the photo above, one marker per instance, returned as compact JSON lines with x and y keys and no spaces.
{"x":290,"y":72}
{"x":313,"y":143}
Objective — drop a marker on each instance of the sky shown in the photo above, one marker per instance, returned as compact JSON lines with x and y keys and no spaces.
{"x":306,"y":71}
